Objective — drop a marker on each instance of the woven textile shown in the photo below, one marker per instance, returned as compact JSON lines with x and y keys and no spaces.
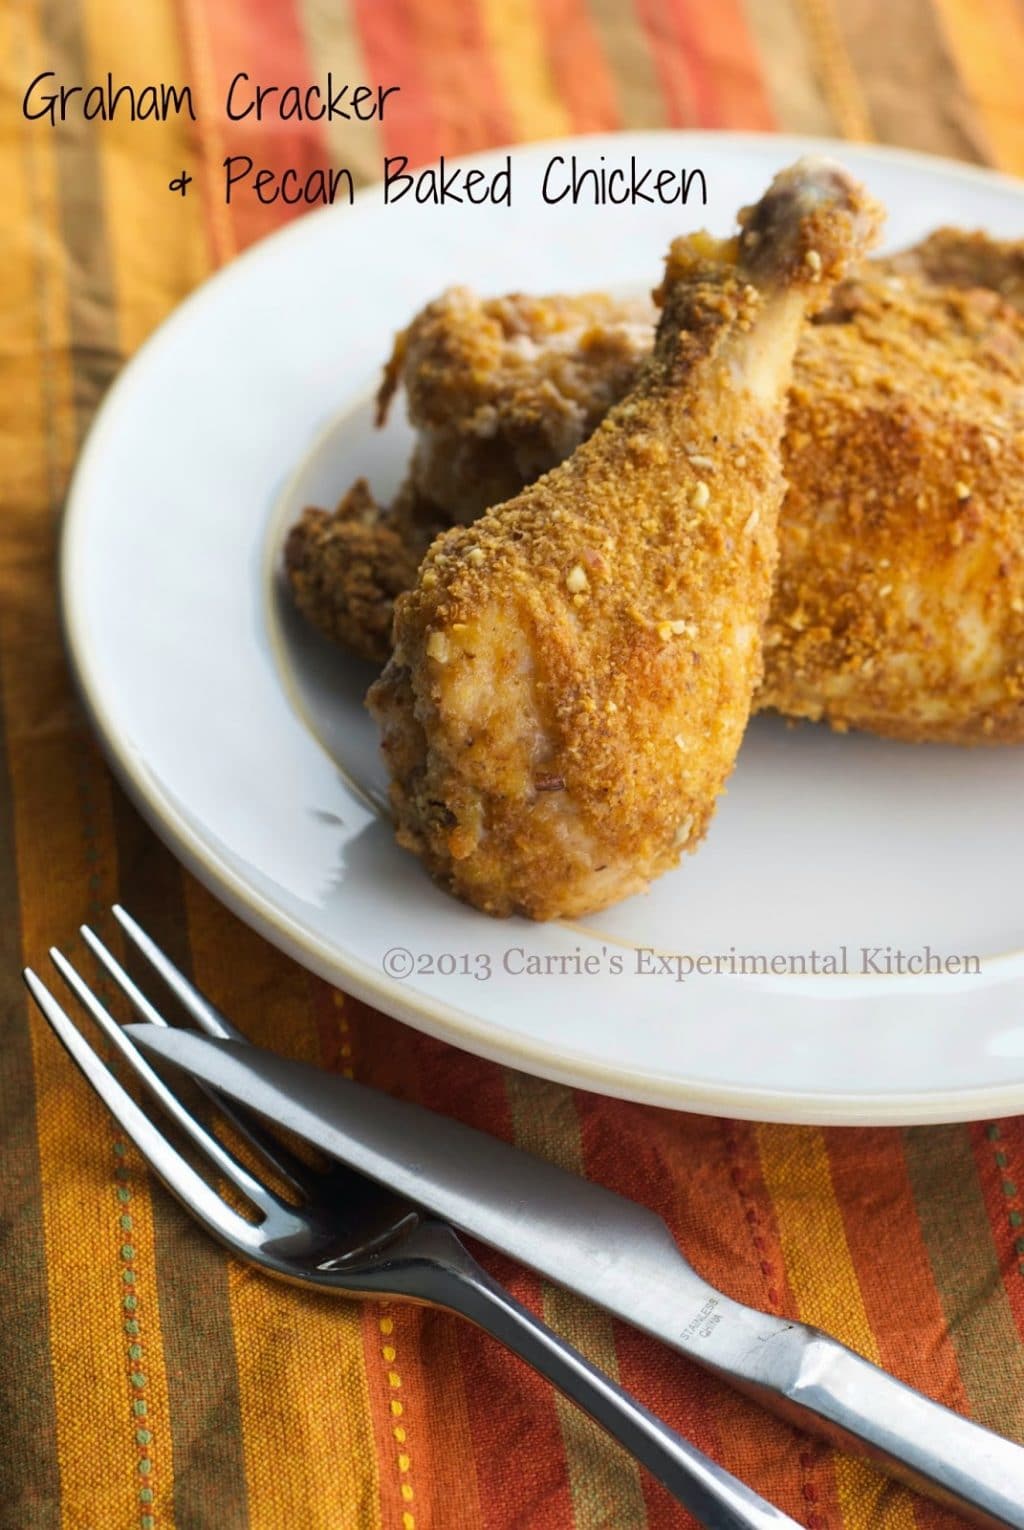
{"x":147,"y":1381}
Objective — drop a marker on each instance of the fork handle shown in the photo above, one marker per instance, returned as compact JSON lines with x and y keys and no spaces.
{"x":445,"y":1274}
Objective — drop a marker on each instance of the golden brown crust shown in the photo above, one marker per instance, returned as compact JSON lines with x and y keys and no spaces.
{"x":572,"y":673}
{"x":955,"y":257}
{"x":501,"y":390}
{"x":510,"y":669}
{"x":899,"y":603}
{"x":898,"y":385}
{"x":345,"y":570}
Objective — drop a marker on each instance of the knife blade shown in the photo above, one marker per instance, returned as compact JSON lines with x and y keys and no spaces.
{"x":619,"y":1255}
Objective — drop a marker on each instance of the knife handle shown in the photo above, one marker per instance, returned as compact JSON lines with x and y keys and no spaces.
{"x":820,"y":1385}
{"x":440,"y":1270}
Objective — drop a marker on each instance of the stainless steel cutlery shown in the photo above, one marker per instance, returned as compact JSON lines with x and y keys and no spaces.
{"x":341,"y":1232}
{"x":351,"y":1234}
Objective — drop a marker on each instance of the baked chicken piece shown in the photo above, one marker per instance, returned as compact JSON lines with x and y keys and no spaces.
{"x":898,"y":598}
{"x":346,"y":568}
{"x":957,"y":257}
{"x":899,"y":601}
{"x":501,"y":390}
{"x":572,"y":673}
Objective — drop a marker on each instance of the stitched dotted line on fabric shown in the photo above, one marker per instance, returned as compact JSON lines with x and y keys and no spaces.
{"x":137,"y":1377}
{"x":143,"y":1437}
{"x":389,"y":1355}
{"x":345,"y":1049}
{"x":1014,"y":1214}
{"x":815,"y":1521}
{"x":386,"y":1324}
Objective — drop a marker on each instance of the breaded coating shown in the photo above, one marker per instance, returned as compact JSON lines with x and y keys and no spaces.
{"x":346,"y":569}
{"x":501,"y":390}
{"x":573,"y":672}
{"x":899,"y":600}
{"x":908,"y":377}
{"x":956,"y":257}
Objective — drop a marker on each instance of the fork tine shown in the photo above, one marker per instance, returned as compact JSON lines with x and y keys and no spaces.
{"x":179,"y":1177}
{"x":205,"y":1014}
{"x":127,"y":984}
{"x":291,"y":1169}
{"x":215,"y":1150}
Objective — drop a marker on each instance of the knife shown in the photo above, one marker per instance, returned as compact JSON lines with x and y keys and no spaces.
{"x":621,"y":1256}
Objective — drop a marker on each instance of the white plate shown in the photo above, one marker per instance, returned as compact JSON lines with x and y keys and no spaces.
{"x":245,"y":743}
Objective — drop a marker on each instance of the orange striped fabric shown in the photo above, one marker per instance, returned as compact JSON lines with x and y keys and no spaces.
{"x":147,"y":1381}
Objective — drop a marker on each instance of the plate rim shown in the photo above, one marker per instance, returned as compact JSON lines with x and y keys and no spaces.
{"x":445,"y":1021}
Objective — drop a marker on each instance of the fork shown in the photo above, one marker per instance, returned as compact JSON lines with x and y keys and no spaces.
{"x":347,"y":1234}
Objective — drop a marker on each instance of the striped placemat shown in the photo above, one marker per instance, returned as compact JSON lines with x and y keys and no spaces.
{"x":145,"y":1380}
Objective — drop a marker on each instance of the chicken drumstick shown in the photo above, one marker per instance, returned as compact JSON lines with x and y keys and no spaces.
{"x":572,"y":673}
